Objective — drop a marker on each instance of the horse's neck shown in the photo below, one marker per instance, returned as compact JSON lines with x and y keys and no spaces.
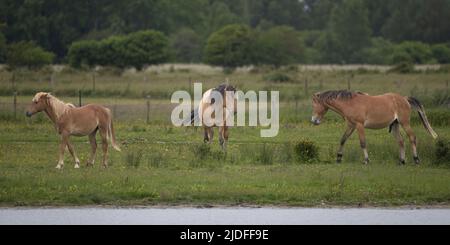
{"x":336,"y":106}
{"x":56,"y":109}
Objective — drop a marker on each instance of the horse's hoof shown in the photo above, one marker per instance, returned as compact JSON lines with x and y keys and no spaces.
{"x":339,"y":161}
{"x":366,"y":161}
{"x":417,"y":160}
{"x":402,"y":162}
{"x":58,"y":166}
{"x":77,"y":165}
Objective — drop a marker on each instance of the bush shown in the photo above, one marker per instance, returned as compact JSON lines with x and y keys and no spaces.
{"x":83,"y":53}
{"x":380,"y":51}
{"x":306,"y":151}
{"x":231,"y":46}
{"x":418,"y":53}
{"x":279,"y":46}
{"x":441,"y":53}
{"x":3,"y":48}
{"x":442,"y":152}
{"x":134,"y":50}
{"x":145,"y":48}
{"x":186,"y":45}
{"x":27,"y":54}
{"x":278,"y":77}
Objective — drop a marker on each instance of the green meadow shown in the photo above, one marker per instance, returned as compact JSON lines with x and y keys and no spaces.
{"x":165,"y":165}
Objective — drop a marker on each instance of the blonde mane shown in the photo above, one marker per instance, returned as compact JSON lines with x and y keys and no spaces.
{"x":58,"y":106}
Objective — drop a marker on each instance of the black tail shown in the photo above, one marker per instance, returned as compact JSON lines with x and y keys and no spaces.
{"x":191,"y":120}
{"x":416,"y":105}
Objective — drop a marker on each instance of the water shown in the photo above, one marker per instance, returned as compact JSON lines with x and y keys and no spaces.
{"x":223,"y":216}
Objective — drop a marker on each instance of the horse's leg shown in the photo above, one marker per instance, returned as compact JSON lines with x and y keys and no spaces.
{"x":72,"y":152}
{"x":362,"y":141}
{"x":93,"y":142}
{"x":62,"y":148}
{"x":347,"y":134}
{"x":206,"y":137}
{"x":210,"y":134}
{"x":413,"y":139}
{"x":399,"y":138}
{"x":221,"y":134}
{"x":225,"y":136}
{"x":104,"y":134}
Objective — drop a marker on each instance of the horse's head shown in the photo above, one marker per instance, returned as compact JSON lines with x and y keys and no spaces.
{"x":319,"y":109}
{"x":38,"y":104}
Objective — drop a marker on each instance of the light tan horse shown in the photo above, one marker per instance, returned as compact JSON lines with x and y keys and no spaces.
{"x":206,"y":103}
{"x":70,"y":120}
{"x":362,"y":111}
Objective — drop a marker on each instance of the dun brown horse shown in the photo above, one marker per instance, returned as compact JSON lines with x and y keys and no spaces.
{"x":70,"y":120}
{"x":206,"y":104}
{"x":362,"y":111}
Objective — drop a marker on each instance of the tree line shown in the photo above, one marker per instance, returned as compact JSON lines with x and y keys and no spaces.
{"x":268,"y":31}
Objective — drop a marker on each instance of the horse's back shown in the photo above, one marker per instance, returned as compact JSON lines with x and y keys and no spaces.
{"x":91,"y":112}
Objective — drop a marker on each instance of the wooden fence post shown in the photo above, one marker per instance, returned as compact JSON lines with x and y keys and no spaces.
{"x":15,"y":104}
{"x":79,"y":98}
{"x":93,"y":82}
{"x":148,"y":109}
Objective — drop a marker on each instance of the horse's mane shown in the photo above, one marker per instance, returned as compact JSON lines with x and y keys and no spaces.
{"x":224,"y":87}
{"x":337,"y":95}
{"x":59,"y":107}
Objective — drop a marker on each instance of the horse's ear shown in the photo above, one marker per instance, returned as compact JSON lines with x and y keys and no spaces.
{"x":316,"y":96}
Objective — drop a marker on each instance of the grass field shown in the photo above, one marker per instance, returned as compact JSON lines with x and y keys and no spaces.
{"x":162,"y":164}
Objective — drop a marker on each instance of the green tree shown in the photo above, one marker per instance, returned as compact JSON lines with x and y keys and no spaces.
{"x":27,"y":54}
{"x":83,"y":53}
{"x":418,"y":53}
{"x":348,"y":33}
{"x":146,"y":48}
{"x":441,"y":53}
{"x":3,"y":48}
{"x":420,"y":20}
{"x":230,"y":47}
{"x":380,"y":52}
{"x":186,"y":45}
{"x":279,"y":46}
{"x":134,"y":50}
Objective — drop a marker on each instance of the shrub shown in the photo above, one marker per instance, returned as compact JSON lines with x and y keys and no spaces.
{"x":134,"y":50}
{"x":441,"y":53}
{"x":230,"y":46}
{"x":3,"y":48}
{"x":27,"y":54}
{"x":83,"y":53}
{"x":420,"y":53}
{"x":187,"y":46}
{"x":442,"y":152}
{"x":278,"y":77}
{"x":279,"y":46}
{"x":380,"y":51}
{"x":306,"y":151}
{"x":145,"y":48}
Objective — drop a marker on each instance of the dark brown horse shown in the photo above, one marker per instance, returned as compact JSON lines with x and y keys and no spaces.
{"x":362,"y":111}
{"x":70,"y":120}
